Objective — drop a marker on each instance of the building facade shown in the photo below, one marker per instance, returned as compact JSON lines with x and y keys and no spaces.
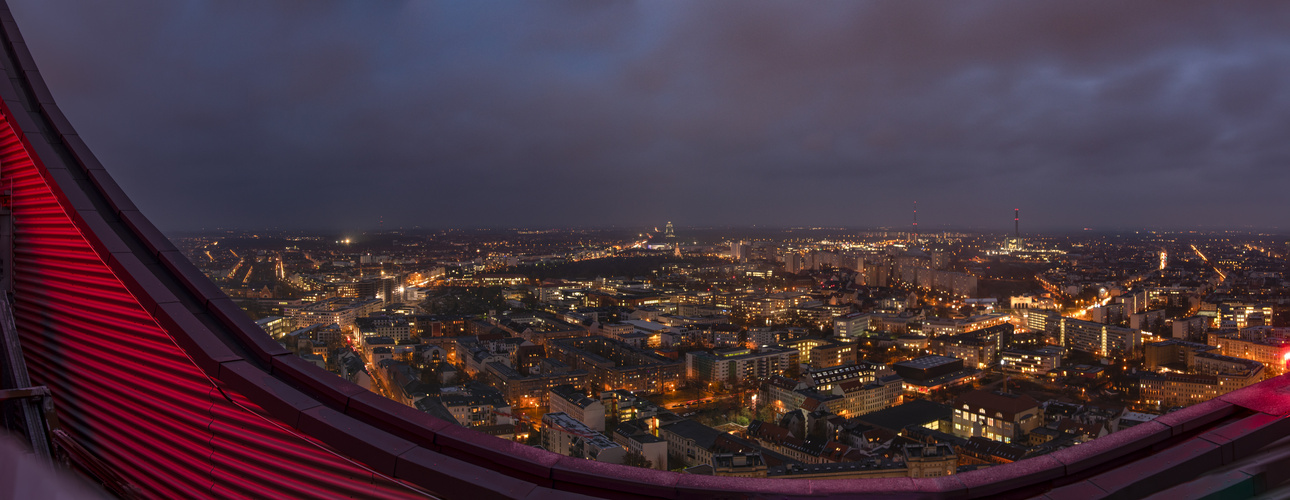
{"x":996,"y":416}
{"x":1099,"y":339}
{"x":564,"y":435}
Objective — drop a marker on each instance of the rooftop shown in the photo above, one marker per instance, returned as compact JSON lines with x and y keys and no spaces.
{"x":702,"y":435}
{"x":916,"y":412}
{"x":1010,"y":405}
{"x":929,"y":361}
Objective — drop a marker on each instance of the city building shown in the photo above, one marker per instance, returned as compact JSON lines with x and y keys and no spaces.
{"x":616,"y":365}
{"x":1240,"y":315}
{"x":833,"y":354}
{"x":1189,"y":328}
{"x":738,"y":464}
{"x":928,"y":367}
{"x":919,"y":413}
{"x":974,"y":351}
{"x":1152,"y":321}
{"x":539,"y":328}
{"x":996,"y":416}
{"x":404,"y":382}
{"x":532,"y":391}
{"x":853,"y":397}
{"x":1193,"y":372}
{"x":803,"y":346}
{"x":276,"y":326}
{"x":1264,"y":344}
{"x":621,"y":406}
{"x":339,"y":310}
{"x":1029,"y":301}
{"x":565,"y":435}
{"x":1041,"y":320}
{"x":1098,"y":338}
{"x":1034,"y":363}
{"x":781,"y":440}
{"x":956,"y":326}
{"x":850,"y":326}
{"x":930,"y":460}
{"x":764,"y":336}
{"x":636,"y":436}
{"x":571,"y":401}
{"x":472,"y":406}
{"x":395,"y":327}
{"x":689,"y":441}
{"x":739,"y":365}
{"x":824,"y":379}
{"x":1168,"y":390}
{"x":327,"y":334}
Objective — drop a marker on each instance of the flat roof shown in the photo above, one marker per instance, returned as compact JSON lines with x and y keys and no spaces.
{"x":929,"y":361}
{"x":917,"y":412}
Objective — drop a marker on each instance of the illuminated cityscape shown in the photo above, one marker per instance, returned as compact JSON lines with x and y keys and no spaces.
{"x":635,"y":250}
{"x":799,"y":346}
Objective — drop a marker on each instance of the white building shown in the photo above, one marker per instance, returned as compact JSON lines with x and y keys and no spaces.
{"x":850,"y":325}
{"x":569,"y":437}
{"x":1032,"y":363}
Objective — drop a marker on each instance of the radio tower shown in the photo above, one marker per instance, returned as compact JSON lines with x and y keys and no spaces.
{"x":915,"y":222}
{"x":1014,"y":243}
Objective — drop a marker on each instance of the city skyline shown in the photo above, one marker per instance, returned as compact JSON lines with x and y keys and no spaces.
{"x":463,"y":115}
{"x":650,"y":360}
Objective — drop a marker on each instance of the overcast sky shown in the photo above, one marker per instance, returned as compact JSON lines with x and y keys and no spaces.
{"x":311,"y":114}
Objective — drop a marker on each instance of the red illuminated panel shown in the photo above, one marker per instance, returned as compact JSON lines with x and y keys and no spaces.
{"x":124,"y":390}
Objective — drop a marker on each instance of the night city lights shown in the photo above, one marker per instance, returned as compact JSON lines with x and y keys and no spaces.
{"x":637,"y":250}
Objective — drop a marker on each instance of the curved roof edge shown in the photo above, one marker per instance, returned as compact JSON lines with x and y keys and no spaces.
{"x":403,"y":443}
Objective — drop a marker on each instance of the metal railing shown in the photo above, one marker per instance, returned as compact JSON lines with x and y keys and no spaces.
{"x":29,"y":412}
{"x":32,"y":403}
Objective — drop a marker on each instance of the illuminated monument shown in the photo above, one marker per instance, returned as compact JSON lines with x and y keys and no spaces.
{"x":163,"y":388}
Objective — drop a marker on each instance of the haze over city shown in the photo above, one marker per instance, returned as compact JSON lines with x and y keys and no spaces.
{"x":344,"y":116}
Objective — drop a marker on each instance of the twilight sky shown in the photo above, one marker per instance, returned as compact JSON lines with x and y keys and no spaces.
{"x":330,"y":115}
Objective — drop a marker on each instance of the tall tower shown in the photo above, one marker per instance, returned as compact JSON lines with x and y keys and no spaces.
{"x":1014,"y":243}
{"x":915,"y":222}
{"x":667,"y":231}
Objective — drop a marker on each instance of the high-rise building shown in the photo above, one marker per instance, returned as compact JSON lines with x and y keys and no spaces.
{"x":1097,"y":338}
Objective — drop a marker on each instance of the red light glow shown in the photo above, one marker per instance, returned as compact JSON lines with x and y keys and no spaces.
{"x":125,"y":387}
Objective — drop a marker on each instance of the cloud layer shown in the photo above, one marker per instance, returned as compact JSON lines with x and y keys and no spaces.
{"x":481,"y":113}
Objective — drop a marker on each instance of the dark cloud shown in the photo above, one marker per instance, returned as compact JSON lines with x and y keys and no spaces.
{"x":330,"y":114}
